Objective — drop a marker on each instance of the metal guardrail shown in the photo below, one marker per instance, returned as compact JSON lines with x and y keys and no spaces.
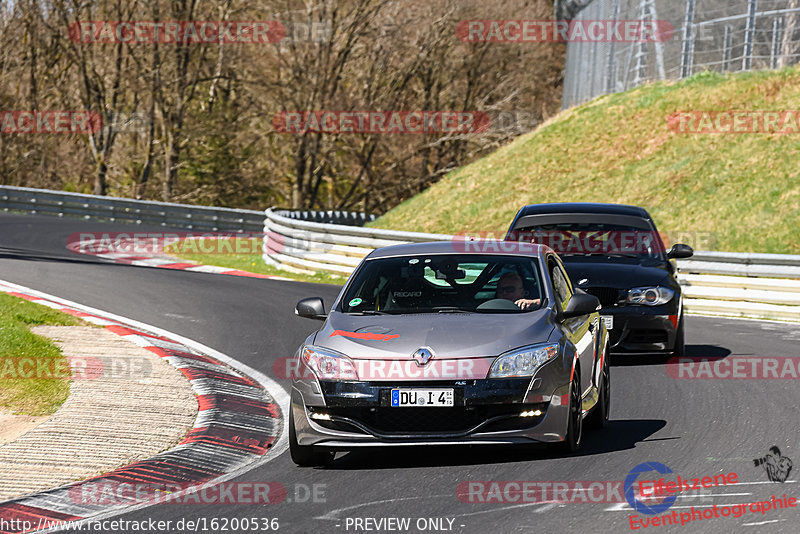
{"x":62,"y":204}
{"x":719,"y":283}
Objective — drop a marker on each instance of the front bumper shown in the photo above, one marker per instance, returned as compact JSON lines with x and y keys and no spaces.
{"x":485,"y":412}
{"x":638,"y":329}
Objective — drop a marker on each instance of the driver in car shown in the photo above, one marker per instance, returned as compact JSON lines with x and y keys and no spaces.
{"x":510,"y":287}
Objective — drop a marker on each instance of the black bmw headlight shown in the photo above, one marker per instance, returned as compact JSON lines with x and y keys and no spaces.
{"x":650,"y":296}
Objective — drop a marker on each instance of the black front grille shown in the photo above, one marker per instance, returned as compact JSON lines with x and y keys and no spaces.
{"x":608,"y":296}
{"x":386,"y":420}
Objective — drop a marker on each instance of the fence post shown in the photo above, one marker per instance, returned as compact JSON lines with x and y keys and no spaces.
{"x":687,"y":48}
{"x":747,"y":59}
{"x":592,"y":72}
{"x":777,"y":31}
{"x":726,"y":47}
{"x":658,"y":45}
{"x":641,"y":48}
{"x":611,"y":72}
{"x":641,"y":64}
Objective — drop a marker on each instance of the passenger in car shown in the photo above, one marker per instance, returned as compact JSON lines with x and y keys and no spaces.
{"x":510,"y":287}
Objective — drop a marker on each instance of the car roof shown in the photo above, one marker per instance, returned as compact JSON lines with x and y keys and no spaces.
{"x":583,"y":207}
{"x":582,"y":212}
{"x":459,"y":246}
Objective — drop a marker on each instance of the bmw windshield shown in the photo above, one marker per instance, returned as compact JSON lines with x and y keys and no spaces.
{"x":454,"y":283}
{"x":575,"y":240}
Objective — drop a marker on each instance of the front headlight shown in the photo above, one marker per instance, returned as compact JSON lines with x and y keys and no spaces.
{"x":650,"y":296}
{"x":328,"y":364}
{"x":521,"y":362}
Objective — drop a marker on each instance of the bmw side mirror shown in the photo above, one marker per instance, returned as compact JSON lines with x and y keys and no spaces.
{"x":311,"y":308}
{"x":581,"y":304}
{"x":679,"y":251}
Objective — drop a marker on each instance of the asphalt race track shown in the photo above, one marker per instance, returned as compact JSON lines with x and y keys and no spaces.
{"x":696,"y":427}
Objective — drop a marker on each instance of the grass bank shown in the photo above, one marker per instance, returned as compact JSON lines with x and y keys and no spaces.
{"x":20,"y":349}
{"x":731,"y":192}
{"x":243,"y":254}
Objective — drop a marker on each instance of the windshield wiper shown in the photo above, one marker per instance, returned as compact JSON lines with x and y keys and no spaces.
{"x":369,"y":312}
{"x":451,"y":310}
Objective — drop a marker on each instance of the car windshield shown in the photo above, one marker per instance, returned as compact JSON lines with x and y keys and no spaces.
{"x":444,"y":284}
{"x":571,"y":240}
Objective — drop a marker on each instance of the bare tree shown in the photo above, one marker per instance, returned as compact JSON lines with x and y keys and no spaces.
{"x":205,"y":133}
{"x":98,"y":70}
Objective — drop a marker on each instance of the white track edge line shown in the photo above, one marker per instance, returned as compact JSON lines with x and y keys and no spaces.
{"x":272,"y":387}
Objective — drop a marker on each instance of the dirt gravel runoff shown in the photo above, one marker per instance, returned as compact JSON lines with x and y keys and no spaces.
{"x":125,"y":405}
{"x":13,"y":426}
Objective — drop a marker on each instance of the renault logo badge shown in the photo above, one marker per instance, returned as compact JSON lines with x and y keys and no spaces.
{"x":422,"y":356}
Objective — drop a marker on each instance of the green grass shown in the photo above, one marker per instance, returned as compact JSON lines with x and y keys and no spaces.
{"x":713,"y":191}
{"x":248,"y":259}
{"x":37,"y":396}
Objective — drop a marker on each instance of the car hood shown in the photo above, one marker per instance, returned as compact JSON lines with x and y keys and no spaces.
{"x":616,"y":275}
{"x":457,"y":335}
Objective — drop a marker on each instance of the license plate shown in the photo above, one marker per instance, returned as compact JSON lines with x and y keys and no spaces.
{"x":609,"y":321}
{"x":422,"y":397}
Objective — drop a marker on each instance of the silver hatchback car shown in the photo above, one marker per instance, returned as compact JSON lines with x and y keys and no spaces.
{"x":479,"y":342}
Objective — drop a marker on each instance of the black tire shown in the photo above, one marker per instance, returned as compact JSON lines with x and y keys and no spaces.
{"x":599,"y":416}
{"x":304,"y":455}
{"x":679,"y":349}
{"x":572,"y":441}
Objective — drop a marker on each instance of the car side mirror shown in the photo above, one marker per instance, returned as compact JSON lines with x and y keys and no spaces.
{"x":581,"y":304}
{"x":311,"y":308}
{"x":679,"y":251}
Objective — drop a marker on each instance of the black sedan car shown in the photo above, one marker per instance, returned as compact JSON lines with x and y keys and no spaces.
{"x":615,"y":253}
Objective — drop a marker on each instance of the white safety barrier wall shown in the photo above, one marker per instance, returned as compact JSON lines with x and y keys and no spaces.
{"x":719,"y":283}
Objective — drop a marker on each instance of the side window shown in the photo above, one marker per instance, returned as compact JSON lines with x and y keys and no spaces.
{"x":560,"y":284}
